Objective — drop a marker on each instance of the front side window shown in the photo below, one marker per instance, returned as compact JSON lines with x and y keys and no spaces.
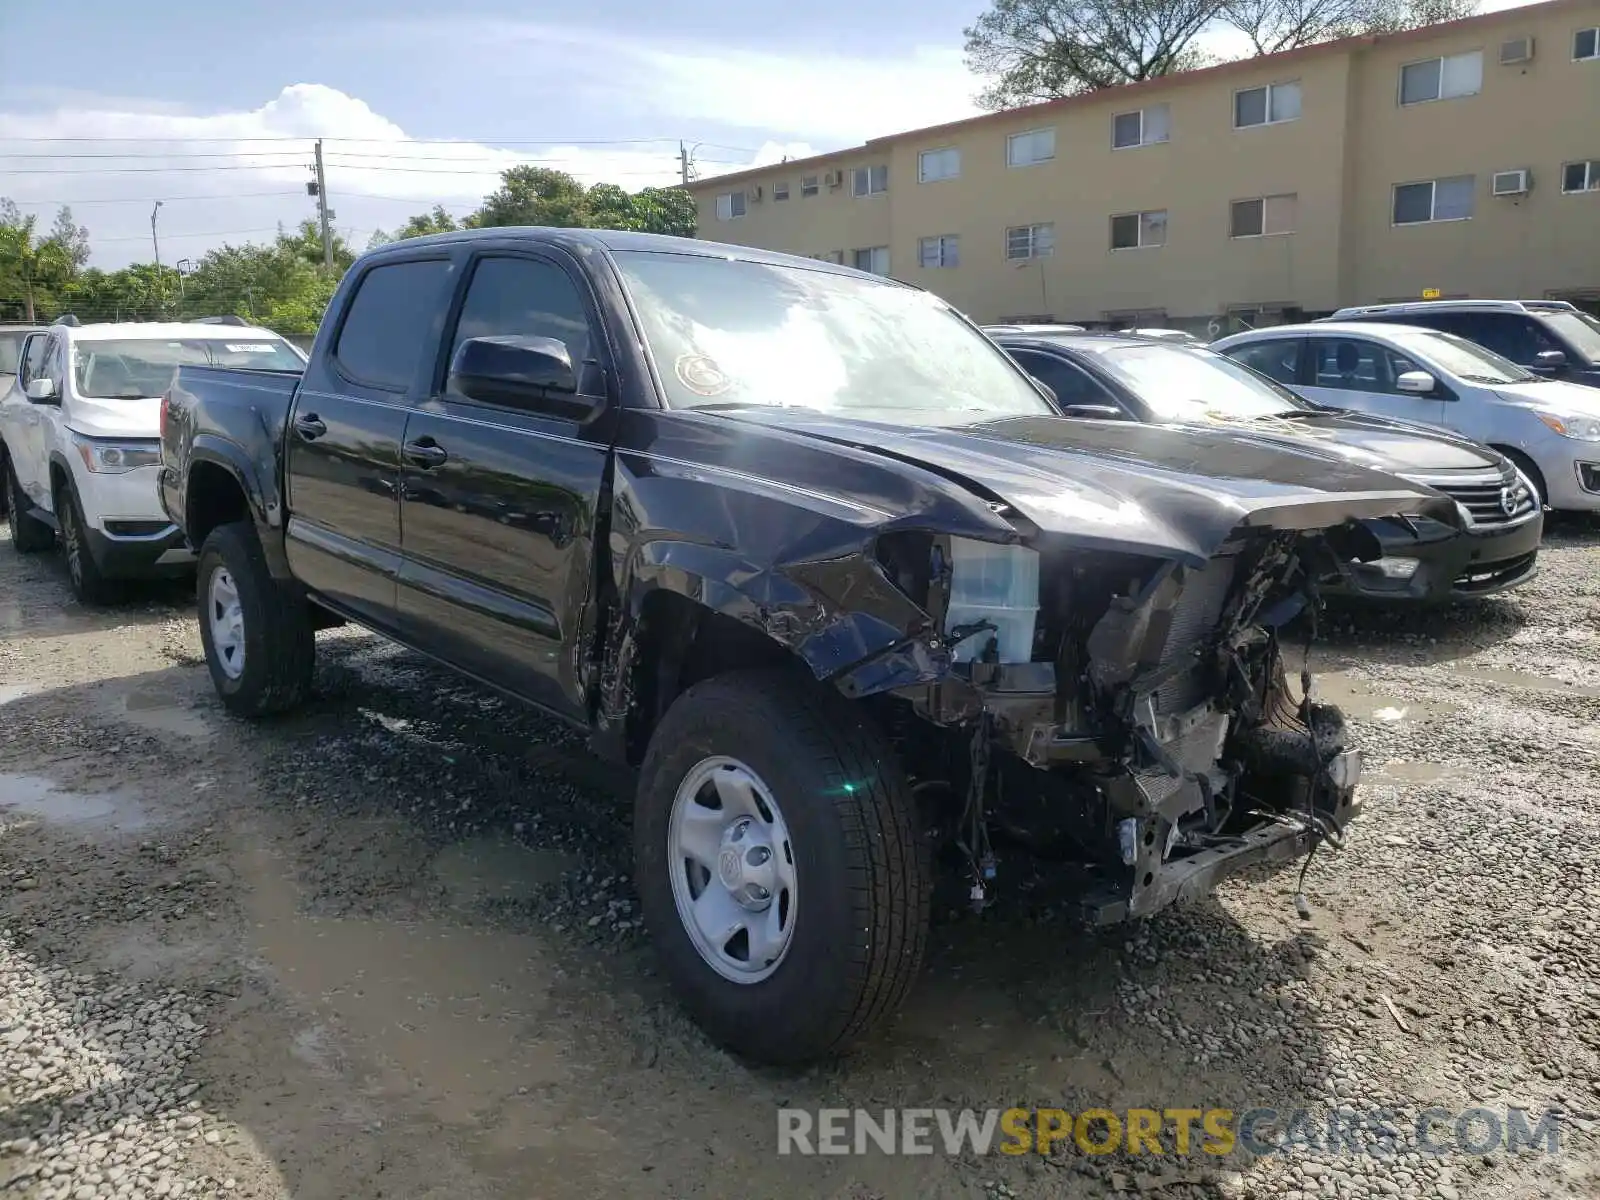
{"x":934,"y":165}
{"x":136,"y":368}
{"x":1071,"y":383}
{"x":727,"y":332}
{"x":942,"y":251}
{"x":1146,"y":127}
{"x":1434,"y":200}
{"x":523,"y":297}
{"x":1355,"y":365}
{"x":1262,"y":217}
{"x":1026,"y":149}
{"x":1448,"y":354}
{"x":1136,"y":231}
{"x":1030,"y":241}
{"x":730,"y":205}
{"x":870,"y":181}
{"x":1269,"y":105}
{"x":1580,"y":330}
{"x":1445,"y":78}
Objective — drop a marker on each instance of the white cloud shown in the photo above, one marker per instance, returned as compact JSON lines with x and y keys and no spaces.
{"x":234,"y":176}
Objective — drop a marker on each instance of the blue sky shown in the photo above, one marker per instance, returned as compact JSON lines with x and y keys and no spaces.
{"x":219,"y":101}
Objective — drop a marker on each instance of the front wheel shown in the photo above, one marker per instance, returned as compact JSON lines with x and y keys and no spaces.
{"x":89,"y":583}
{"x":257,"y":636}
{"x":778,"y":865}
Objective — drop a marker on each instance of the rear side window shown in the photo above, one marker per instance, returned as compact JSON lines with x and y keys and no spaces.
{"x":387,"y":327}
{"x":1278,"y":359}
{"x":1070,"y":384}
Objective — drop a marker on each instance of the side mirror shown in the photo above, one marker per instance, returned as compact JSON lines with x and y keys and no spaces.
{"x":43,"y":391}
{"x":1549,"y":360}
{"x":520,"y":372}
{"x":1416,"y":382}
{"x":1096,"y":412}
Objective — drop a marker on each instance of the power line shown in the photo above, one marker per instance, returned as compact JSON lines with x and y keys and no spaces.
{"x":172,"y":236}
{"x":167,"y":199}
{"x":405,"y":141}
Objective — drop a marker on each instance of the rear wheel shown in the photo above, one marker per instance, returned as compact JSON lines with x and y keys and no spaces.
{"x":257,"y":634}
{"x":778,"y":865}
{"x":29,"y":535}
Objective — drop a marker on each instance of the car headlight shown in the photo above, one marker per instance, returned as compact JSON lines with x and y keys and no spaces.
{"x":994,"y":584}
{"x":1584,"y":429}
{"x":114,"y":458}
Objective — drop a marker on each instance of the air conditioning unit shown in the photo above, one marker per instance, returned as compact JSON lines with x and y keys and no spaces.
{"x":1511,"y":183}
{"x":754,"y":194}
{"x":834,"y":179}
{"x":1516,"y":50}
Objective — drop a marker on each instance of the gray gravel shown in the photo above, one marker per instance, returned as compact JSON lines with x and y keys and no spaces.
{"x":390,"y":946}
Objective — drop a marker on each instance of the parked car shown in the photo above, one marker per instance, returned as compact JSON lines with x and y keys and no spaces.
{"x":1548,"y":337}
{"x":1180,"y":336}
{"x":1124,"y":378}
{"x":812,"y":553}
{"x":996,"y":330}
{"x":1549,"y":428}
{"x":80,"y":442}
{"x":11,"y":339}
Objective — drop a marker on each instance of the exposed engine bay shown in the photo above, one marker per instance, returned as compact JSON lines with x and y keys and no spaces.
{"x":1142,"y":721}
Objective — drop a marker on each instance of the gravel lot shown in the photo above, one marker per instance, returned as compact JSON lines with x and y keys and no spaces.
{"x":387,"y":947}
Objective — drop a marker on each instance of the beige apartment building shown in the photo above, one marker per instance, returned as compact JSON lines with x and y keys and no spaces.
{"x":1453,"y":161}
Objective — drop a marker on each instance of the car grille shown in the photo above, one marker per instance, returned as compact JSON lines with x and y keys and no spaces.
{"x":1485,"y":498}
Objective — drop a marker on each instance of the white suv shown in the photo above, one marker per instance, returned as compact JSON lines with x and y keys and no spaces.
{"x":80,"y":444}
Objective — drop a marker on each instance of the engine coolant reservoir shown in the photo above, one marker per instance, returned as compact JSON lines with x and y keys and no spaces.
{"x":994,"y":583}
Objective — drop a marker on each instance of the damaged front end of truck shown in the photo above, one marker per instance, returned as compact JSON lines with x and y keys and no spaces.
{"x":1129,"y":712}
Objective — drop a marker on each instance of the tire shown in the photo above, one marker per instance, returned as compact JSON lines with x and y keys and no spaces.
{"x":858,"y":885}
{"x":89,"y":583}
{"x":29,"y":535}
{"x":268,"y":668}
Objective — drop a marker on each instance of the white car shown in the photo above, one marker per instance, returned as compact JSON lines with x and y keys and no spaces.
{"x":80,"y":444}
{"x":1549,"y":428}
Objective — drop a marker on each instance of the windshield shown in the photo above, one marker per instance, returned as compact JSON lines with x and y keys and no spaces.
{"x":725,"y":332}
{"x":1457,"y":356}
{"x":131,"y":368}
{"x":10,"y":349}
{"x":1579,"y":328}
{"x":1178,"y":383}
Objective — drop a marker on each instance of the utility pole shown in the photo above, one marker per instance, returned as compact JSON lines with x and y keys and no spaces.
{"x":323,"y":214}
{"x":155,"y":244}
{"x":683,"y":163}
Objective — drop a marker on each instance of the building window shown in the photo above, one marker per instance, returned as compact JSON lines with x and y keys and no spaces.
{"x":934,"y":165}
{"x":1136,"y":231}
{"x":1268,"y":105}
{"x":870,"y":181}
{"x":1030,"y":241}
{"x":1434,"y":200}
{"x":1145,"y":127}
{"x":808,"y":185}
{"x":942,"y":251}
{"x":780,"y":191}
{"x":730,"y":205}
{"x":1026,"y":149}
{"x":874,"y":259}
{"x":1581,"y":176}
{"x":1442,"y":78}
{"x":830,"y":256}
{"x":1262,"y":217}
{"x":1586,"y":45}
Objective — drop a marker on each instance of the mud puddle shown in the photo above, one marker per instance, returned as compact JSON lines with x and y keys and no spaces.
{"x":34,"y":796}
{"x":1365,"y":699}
{"x":1507,"y":677}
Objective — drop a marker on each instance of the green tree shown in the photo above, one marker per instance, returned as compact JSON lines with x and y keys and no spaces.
{"x":438,"y":220}
{"x":665,"y":210}
{"x":29,"y":266}
{"x":71,"y":237}
{"x":533,"y":196}
{"x":1036,"y":50}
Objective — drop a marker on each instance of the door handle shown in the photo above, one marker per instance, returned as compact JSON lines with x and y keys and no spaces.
{"x":425,"y":453}
{"x":310,"y":427}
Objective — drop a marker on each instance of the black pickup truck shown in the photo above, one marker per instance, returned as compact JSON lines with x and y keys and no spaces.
{"x":814,"y":555}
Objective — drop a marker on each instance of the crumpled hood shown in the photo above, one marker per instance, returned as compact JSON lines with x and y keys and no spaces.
{"x":1124,"y":486}
{"x":1380,"y":443}
{"x":115,"y":418}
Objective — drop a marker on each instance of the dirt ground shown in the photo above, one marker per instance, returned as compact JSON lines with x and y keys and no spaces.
{"x":387,"y":947}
